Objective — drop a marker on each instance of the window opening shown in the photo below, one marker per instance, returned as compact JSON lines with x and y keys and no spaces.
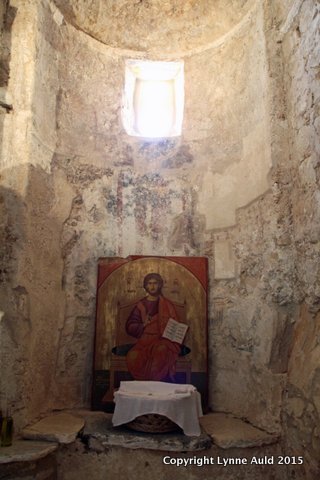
{"x":153,"y":98}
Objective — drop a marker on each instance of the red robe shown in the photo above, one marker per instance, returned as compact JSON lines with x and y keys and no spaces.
{"x":152,"y":357}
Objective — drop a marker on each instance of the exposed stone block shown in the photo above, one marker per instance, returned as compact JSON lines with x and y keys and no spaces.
{"x":61,"y":428}
{"x":230,"y":432}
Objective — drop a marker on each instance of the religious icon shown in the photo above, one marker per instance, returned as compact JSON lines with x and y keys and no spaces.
{"x":153,"y":356}
{"x":156,"y":330}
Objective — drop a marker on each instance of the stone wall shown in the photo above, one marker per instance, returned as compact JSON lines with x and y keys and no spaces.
{"x":299,"y":36}
{"x":31,"y":270}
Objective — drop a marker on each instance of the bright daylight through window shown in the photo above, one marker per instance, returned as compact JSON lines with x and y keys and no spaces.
{"x":153,"y":98}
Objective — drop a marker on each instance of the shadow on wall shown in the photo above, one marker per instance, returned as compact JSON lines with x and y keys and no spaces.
{"x":31,"y":294}
{"x":15,"y":326}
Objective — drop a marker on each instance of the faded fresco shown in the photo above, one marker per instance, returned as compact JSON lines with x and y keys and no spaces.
{"x":136,"y":298}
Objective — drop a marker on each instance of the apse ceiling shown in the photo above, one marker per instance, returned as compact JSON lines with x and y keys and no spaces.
{"x":166,"y":26}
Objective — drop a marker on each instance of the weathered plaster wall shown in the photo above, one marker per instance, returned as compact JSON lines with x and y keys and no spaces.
{"x":299,"y":35}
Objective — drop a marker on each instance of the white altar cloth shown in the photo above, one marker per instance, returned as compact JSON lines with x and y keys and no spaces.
{"x":180,"y":403}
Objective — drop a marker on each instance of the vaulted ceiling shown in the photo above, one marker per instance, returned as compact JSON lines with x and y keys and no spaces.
{"x":169,"y":26}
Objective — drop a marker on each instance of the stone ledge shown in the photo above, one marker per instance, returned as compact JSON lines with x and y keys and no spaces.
{"x":60,"y":427}
{"x":228,"y":431}
{"x":26,"y":451}
{"x":95,"y":429}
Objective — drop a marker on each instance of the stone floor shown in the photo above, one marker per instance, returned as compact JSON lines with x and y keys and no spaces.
{"x":81,"y":444}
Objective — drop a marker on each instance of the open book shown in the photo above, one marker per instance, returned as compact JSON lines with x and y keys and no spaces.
{"x":175,"y":331}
